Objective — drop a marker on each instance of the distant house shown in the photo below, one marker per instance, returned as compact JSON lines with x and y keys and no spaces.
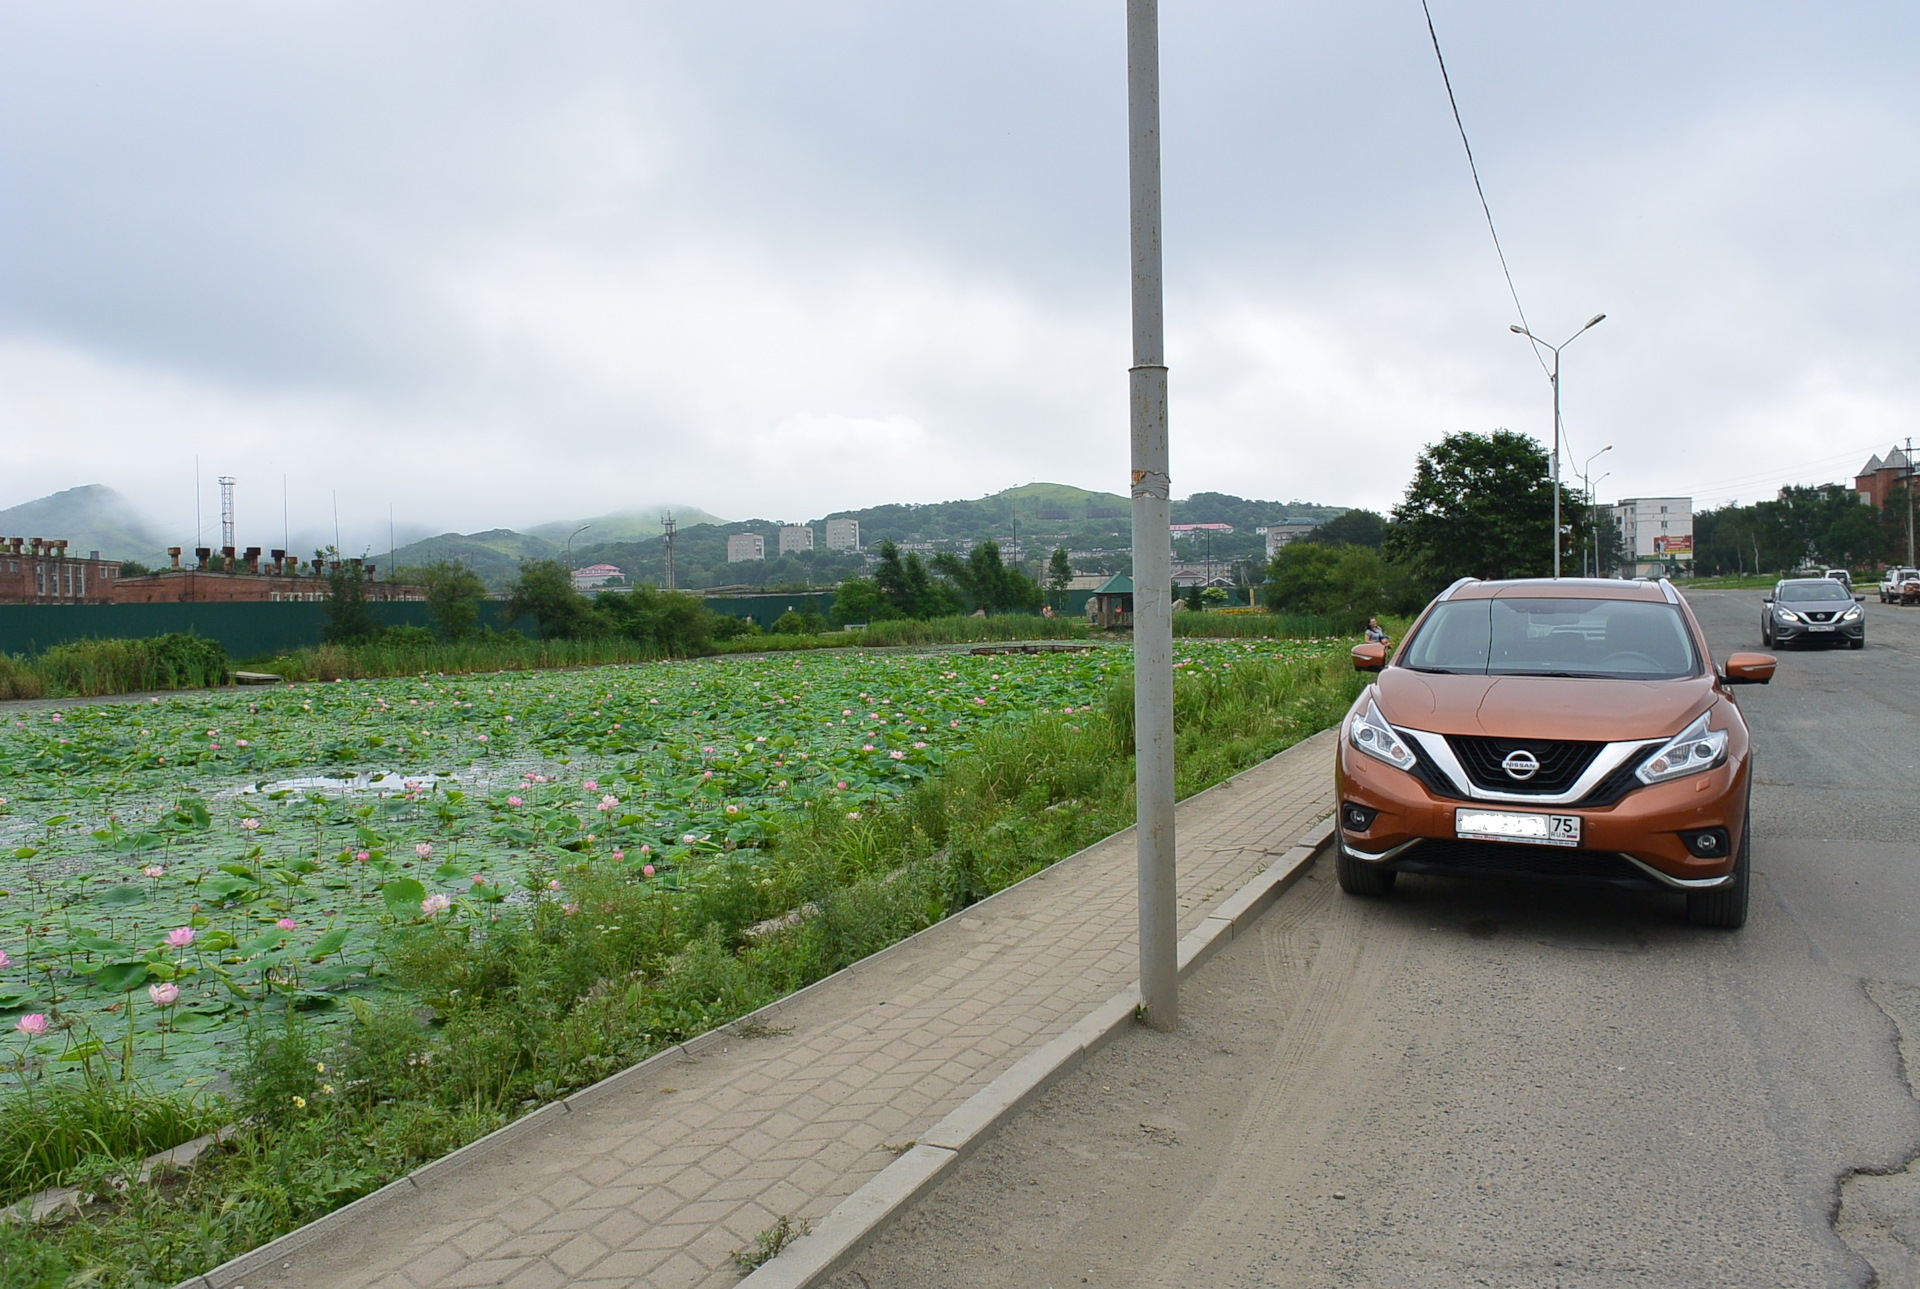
{"x":843,"y":534}
{"x":745,"y":546}
{"x":1655,"y":532}
{"x":1879,"y":475}
{"x":1279,"y":535}
{"x":1112,"y":604}
{"x":586,"y":579}
{"x":795,"y":538}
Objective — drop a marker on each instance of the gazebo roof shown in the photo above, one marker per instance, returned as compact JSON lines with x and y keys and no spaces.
{"x":1118,"y":584}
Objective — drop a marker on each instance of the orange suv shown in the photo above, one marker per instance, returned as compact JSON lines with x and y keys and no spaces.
{"x":1572,"y":729}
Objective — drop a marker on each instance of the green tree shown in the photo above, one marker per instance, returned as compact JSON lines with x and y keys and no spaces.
{"x":859,"y":599}
{"x":543,"y":591}
{"x":677,"y":624}
{"x":348,"y":619}
{"x":1059,"y":571}
{"x":1479,"y":505}
{"x":454,"y":592}
{"x":986,"y":583}
{"x":1346,"y":583}
{"x":1352,"y":528}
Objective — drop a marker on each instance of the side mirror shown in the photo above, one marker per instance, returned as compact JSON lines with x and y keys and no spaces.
{"x":1369,"y":657}
{"x":1768,"y":599}
{"x":1748,"y":669}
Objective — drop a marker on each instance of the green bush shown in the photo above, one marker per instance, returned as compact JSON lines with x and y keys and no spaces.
{"x":1347,"y":584}
{"x":89,"y":668}
{"x":795,"y":623}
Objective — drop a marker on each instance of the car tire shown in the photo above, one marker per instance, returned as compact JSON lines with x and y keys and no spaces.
{"x":1860,"y":643}
{"x":1726,"y":906}
{"x":1358,"y":877}
{"x":1766,"y":636}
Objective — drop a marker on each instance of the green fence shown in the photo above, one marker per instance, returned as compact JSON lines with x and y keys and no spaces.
{"x":766,"y":609}
{"x":245,"y":630}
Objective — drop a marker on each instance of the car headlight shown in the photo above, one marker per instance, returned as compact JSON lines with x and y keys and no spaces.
{"x":1692,"y":750}
{"x":1786,"y":613}
{"x":1850,"y":614}
{"x":1371,"y":734}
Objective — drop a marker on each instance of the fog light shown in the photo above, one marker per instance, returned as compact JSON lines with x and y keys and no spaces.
{"x":1708,"y":843}
{"x":1356,"y":818}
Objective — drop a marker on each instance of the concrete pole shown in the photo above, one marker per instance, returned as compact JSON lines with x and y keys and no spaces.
{"x":1152,"y":541}
{"x":1556,"y":465}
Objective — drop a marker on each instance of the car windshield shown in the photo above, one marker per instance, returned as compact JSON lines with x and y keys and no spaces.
{"x":1601,"y":639}
{"x":1821,"y":589}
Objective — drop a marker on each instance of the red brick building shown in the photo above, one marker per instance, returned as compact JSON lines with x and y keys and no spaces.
{"x":36,"y":571}
{"x":244,"y":577}
{"x":1879,"y":475}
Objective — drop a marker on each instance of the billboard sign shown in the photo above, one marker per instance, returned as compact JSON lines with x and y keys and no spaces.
{"x":1673,"y":544}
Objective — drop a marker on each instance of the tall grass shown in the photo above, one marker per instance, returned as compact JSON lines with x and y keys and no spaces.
{"x":51,"y":1132}
{"x":91,"y":668}
{"x":541,"y":1002}
{"x":411,"y":656}
{"x":1258,"y":624}
{"x":960,"y":630}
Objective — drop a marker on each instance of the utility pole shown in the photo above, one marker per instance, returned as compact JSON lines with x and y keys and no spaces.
{"x":1152,"y":493}
{"x":666,"y":533}
{"x":1594,"y":321}
{"x":1910,"y":560}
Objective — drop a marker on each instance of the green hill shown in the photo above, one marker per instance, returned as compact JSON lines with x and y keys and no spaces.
{"x":495,"y":554}
{"x":92,"y":518}
{"x":623,"y":526}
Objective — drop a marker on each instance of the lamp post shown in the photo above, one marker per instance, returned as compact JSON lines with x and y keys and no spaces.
{"x":1593,"y":507}
{"x":1592,"y":322}
{"x":1152,"y":543}
{"x":570,"y":536}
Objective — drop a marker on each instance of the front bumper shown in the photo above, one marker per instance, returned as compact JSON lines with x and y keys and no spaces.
{"x":1635,"y":842}
{"x":1796,"y":632}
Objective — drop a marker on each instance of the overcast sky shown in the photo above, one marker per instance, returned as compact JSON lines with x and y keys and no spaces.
{"x":498,"y":264}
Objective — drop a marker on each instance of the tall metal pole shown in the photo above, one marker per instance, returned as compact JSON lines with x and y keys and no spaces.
{"x":1910,"y":561}
{"x":1556,"y":465}
{"x":1152,"y":539}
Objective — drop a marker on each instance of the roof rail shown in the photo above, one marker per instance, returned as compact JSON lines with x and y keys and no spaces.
{"x":1448,"y":593}
{"x":1673,"y":596}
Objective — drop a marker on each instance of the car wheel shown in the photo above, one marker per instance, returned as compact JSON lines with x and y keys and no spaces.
{"x":1358,"y":877}
{"x":1766,"y":635}
{"x":1726,"y":906}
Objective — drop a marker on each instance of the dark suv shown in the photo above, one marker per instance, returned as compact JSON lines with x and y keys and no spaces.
{"x":1814,"y":609}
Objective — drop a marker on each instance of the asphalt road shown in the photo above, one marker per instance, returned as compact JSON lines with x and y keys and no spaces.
{"x":1478,"y":1083}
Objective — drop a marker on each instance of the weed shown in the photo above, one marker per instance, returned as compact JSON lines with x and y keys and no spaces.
{"x":767,"y":1244}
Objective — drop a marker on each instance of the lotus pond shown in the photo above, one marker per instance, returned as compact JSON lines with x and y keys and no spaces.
{"x":171,"y":868}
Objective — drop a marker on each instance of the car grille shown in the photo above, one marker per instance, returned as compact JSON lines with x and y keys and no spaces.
{"x":1817,"y":615}
{"x":1618,"y":784}
{"x":1561,"y":762}
{"x":1493,"y":858}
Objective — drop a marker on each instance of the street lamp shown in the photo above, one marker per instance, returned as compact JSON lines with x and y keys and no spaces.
{"x":1593,"y":508}
{"x":1592,"y":322}
{"x":570,"y":536}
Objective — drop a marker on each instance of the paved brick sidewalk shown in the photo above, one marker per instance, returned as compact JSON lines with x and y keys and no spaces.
{"x":656,"y":1179}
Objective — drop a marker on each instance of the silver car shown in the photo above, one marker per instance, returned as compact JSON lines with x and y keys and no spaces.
{"x":1816,"y":610}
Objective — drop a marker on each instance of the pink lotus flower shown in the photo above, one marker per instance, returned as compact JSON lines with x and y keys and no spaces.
{"x":5,"y":961}
{"x":361,"y":856}
{"x":251,"y":825}
{"x":840,"y":786}
{"x":707,"y":775}
{"x":569,"y":909}
{"x":180,"y":937}
{"x":153,"y":870}
{"x":867,"y":748}
{"x":733,"y":810}
{"x":591,"y":785}
{"x":165,"y":994}
{"x":424,"y":849}
{"x":645,"y":849}
{"x":646,"y":869}
{"x":33,"y":1024}
{"x":853,"y":814}
{"x":434,"y":905}
{"x":483,"y":738}
{"x":783,"y":785}
{"x":240,"y":742}
{"x":515,"y":801}
{"x":619,"y":854}
{"x":897,"y":755}
{"x":608,"y":802}
{"x":554,"y":884}
{"x":478,"y":880}
{"x":286,"y":924}
{"x":954,"y":724}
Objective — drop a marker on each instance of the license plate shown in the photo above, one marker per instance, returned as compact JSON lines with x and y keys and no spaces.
{"x":1506,"y":825}
{"x":1819,"y":626}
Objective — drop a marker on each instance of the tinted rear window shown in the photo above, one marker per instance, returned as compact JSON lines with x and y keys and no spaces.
{"x":1608,"y":639}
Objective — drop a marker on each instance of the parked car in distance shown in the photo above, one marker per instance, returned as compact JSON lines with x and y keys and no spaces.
{"x":1894,"y":583}
{"x":1841,"y":576}
{"x":1574,"y":730}
{"x":1812,"y":609}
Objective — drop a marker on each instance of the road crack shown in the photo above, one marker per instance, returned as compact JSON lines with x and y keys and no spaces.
{"x":1879,"y":1211}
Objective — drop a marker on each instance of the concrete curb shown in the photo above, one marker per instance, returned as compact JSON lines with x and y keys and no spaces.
{"x":811,"y":1259}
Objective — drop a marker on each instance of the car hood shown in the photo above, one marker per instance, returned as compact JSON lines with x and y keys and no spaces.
{"x":1542,"y":707}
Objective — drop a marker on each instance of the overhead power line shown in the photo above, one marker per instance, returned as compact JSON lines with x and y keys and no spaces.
{"x":1478,"y":187}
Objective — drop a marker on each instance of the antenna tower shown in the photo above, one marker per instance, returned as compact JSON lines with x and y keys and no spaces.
{"x":226,"y":512}
{"x":666,"y":532}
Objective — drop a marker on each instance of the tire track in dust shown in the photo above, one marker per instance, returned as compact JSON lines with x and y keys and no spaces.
{"x":1319,"y":1070}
